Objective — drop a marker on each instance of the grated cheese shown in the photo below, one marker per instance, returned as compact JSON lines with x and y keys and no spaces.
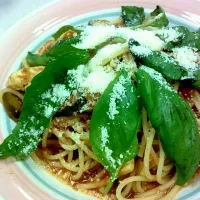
{"x":158,"y":77}
{"x":167,"y":58}
{"x":27,"y":149}
{"x":133,"y":20}
{"x":188,"y":58}
{"x":58,"y":92}
{"x":140,"y":51}
{"x":118,"y":93}
{"x":48,"y":111}
{"x":104,"y":136}
{"x":98,"y":80}
{"x":168,"y":34}
{"x":109,"y":156}
{"x":121,"y":156}
{"x":94,"y":80}
{"x":143,"y":37}
{"x":77,"y":76}
{"x":91,"y":36}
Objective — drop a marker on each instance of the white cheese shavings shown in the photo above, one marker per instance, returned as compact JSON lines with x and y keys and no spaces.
{"x":188,"y":58}
{"x":58,"y":92}
{"x":48,"y":111}
{"x":158,"y":77}
{"x":109,"y":156}
{"x":98,"y":80}
{"x":27,"y":149}
{"x":119,"y":162}
{"x":77,"y":76}
{"x":118,"y":93}
{"x":133,"y":19}
{"x":168,"y":34}
{"x":143,"y":37}
{"x":91,"y":79}
{"x":167,"y":58}
{"x":104,"y":136}
{"x":91,"y":36}
{"x":140,"y":51}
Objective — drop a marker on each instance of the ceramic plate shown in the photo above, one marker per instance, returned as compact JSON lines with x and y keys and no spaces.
{"x":25,"y":180}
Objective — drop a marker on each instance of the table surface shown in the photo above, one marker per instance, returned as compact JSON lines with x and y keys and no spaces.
{"x":11,"y":11}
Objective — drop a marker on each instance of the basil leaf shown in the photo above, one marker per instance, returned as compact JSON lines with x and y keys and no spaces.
{"x":196,"y":81}
{"x":173,"y":120}
{"x":184,"y":32}
{"x":171,"y":42}
{"x":133,"y":15}
{"x":191,"y":39}
{"x":171,"y":45}
{"x":43,"y":98}
{"x":187,"y":38}
{"x":182,"y":29}
{"x":63,"y":30}
{"x":112,"y":40}
{"x":71,"y":110}
{"x":157,"y":18}
{"x":58,"y":49}
{"x":157,"y":60}
{"x":114,"y":124}
{"x":38,"y":60}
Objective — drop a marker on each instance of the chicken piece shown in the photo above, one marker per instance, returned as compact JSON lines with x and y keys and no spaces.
{"x":46,"y":46}
{"x":116,"y":22}
{"x":67,"y":34}
{"x":21,"y":79}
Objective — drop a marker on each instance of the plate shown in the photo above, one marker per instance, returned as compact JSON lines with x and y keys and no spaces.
{"x":25,"y":180}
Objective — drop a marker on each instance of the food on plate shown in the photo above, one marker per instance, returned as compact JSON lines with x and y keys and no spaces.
{"x":111,"y":108}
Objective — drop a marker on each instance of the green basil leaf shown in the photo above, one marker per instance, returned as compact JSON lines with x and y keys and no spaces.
{"x":157,"y":18}
{"x":165,"y":34}
{"x":188,"y":38}
{"x":184,"y":33}
{"x":71,"y":110}
{"x":171,"y":45}
{"x":63,"y":30}
{"x":114,"y":124}
{"x":173,"y":120}
{"x":58,"y":49}
{"x":133,"y":15}
{"x":191,"y":39}
{"x":157,"y":60}
{"x":38,"y":60}
{"x":112,"y":40}
{"x":196,"y":81}
{"x":183,"y":30}
{"x":43,"y":98}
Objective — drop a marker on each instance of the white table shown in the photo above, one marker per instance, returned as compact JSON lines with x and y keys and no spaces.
{"x":12,"y":11}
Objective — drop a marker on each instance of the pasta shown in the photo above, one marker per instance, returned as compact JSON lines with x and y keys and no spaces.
{"x":150,"y":176}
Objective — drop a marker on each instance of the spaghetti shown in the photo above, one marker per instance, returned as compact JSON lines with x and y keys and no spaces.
{"x":66,"y":148}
